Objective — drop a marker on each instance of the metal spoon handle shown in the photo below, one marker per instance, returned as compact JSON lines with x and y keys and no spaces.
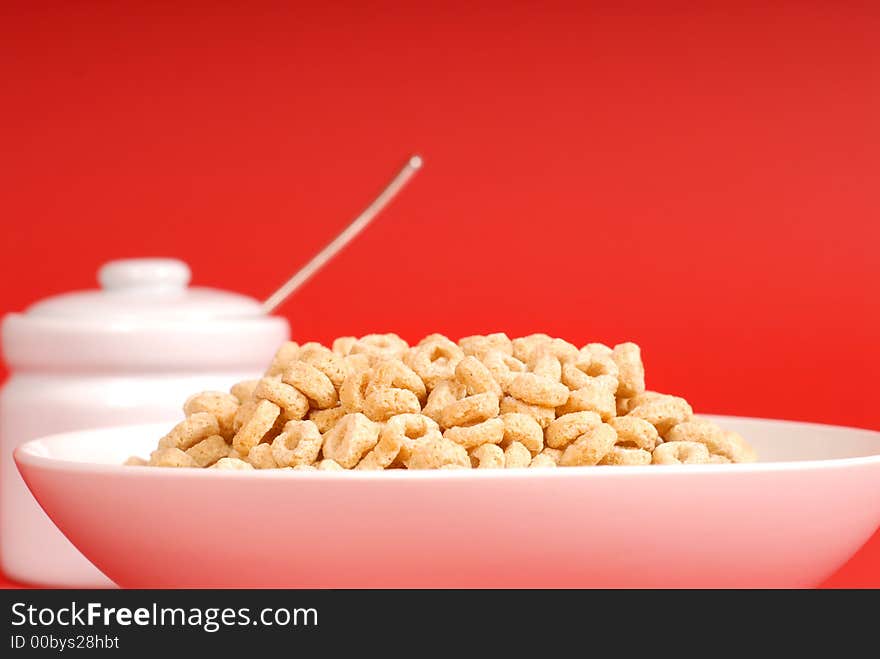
{"x":346,"y":236}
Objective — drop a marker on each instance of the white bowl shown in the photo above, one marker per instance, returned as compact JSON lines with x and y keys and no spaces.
{"x":788,"y":521}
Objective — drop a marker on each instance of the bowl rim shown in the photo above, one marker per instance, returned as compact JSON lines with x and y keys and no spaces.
{"x":26,"y":455}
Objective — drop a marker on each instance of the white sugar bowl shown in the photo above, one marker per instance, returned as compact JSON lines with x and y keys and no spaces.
{"x":131,"y":352}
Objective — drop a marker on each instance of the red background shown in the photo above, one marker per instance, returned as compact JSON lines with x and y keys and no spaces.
{"x":701,"y":181}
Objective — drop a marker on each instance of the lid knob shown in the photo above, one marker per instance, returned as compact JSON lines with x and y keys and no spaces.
{"x":144,"y":275}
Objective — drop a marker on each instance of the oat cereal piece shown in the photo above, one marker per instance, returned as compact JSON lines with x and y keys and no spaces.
{"x":453,"y":466}
{"x":232,"y":464}
{"x":434,"y":359}
{"x":326,"y":419}
{"x":635,"y":433}
{"x":567,"y":428}
{"x":135,"y":461}
{"x":631,"y":371}
{"x":303,"y":468}
{"x":342,"y":346}
{"x":383,"y":403}
{"x":524,"y":347}
{"x":284,"y":357}
{"x":670,"y":453}
{"x":443,"y":394}
{"x":257,"y":425}
{"x":739,"y":450}
{"x":359,"y":362}
{"x":244,"y":390}
{"x":326,"y":361}
{"x":244,"y":412}
{"x":487,"y":456}
{"x":627,"y":405}
{"x":313,"y":383}
{"x":477,"y":345}
{"x":469,"y":410}
{"x":384,"y":453}
{"x":353,"y":391}
{"x":436,"y":453}
{"x":190,"y":431}
{"x":476,"y":377}
{"x":621,"y":455}
{"x":170,"y":457}
{"x":487,"y":432}
{"x":394,"y":373}
{"x":594,"y":398}
{"x":516,"y":455}
{"x":554,"y":454}
{"x":545,"y":364}
{"x":405,"y":429}
{"x":383,"y":346}
{"x":350,"y":439}
{"x":537,"y":390}
{"x":298,"y":444}
{"x":719,"y":442}
{"x":590,"y":447}
{"x":208,"y":451}
{"x":663,"y":413}
{"x":329,"y":465}
{"x":543,"y":415}
{"x":292,"y":402}
{"x":222,"y":405}
{"x":719,"y":460}
{"x":234,"y":454}
{"x":542,"y":460}
{"x":574,"y":377}
{"x":597,"y":359}
{"x":260,"y":456}
{"x":522,"y":429}
{"x":502,"y":367}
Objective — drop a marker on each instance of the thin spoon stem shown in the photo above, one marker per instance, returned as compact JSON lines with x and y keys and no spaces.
{"x":346,"y":236}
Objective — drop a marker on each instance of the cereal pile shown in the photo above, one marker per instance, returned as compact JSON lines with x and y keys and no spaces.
{"x":484,"y":402}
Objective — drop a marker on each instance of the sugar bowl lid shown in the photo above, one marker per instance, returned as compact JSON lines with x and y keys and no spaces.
{"x":144,"y":315}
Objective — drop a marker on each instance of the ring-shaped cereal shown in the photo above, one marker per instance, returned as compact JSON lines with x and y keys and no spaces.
{"x":487,"y":456}
{"x":444,"y":393}
{"x":537,"y":390}
{"x":190,"y":431}
{"x":326,"y":419}
{"x":631,"y":370}
{"x":350,"y":439}
{"x":478,"y":345}
{"x":353,"y":391}
{"x":635,"y":433}
{"x":487,"y":432}
{"x":284,"y":357}
{"x":522,"y":429}
{"x":221,"y":405}
{"x":384,"y":402}
{"x":516,"y":456}
{"x":622,"y":455}
{"x":208,"y":451}
{"x":469,"y":410}
{"x":436,"y":453}
{"x":589,"y":448}
{"x":326,"y":361}
{"x":434,"y":360}
{"x":567,"y":428}
{"x":299,"y":443}
{"x":543,"y":415}
{"x":593,"y":397}
{"x":670,"y":453}
{"x":476,"y":377}
{"x":260,"y":421}
{"x":313,"y":383}
{"x":291,"y":400}
{"x":394,"y":373}
{"x":663,"y":412}
{"x":384,"y":346}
